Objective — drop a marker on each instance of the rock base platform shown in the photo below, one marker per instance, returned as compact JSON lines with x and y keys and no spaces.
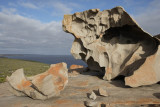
{"x":76,"y":93}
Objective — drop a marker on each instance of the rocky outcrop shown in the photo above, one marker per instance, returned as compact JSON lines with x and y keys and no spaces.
{"x":41,"y":86}
{"x":72,"y":67}
{"x":75,"y":70}
{"x":110,"y":41}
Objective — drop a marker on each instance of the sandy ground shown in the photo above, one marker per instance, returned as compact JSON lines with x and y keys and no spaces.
{"x":78,"y":88}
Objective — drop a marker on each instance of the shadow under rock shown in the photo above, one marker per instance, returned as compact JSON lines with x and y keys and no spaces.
{"x":87,"y":71}
{"x":94,"y":73}
{"x":119,"y":82}
{"x":153,"y":105}
{"x":157,"y":95}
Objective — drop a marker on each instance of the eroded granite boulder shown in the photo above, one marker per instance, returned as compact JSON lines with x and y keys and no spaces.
{"x":41,"y":86}
{"x":110,"y":41}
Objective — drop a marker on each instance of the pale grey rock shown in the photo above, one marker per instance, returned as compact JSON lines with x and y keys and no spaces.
{"x":41,"y":86}
{"x":16,"y":92}
{"x":110,"y":41}
{"x":20,"y":86}
{"x":92,"y":96}
{"x":102,"y":92}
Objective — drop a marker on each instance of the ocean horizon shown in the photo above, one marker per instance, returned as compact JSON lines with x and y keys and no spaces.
{"x":48,"y":59}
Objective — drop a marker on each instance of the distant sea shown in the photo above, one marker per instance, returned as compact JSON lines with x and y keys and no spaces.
{"x":48,"y":59}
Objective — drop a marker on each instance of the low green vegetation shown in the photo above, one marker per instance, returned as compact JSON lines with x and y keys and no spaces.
{"x":7,"y":66}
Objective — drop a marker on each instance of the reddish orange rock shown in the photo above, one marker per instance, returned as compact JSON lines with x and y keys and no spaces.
{"x":76,"y":66}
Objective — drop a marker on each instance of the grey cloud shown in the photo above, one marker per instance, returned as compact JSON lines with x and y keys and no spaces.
{"x":23,"y":35}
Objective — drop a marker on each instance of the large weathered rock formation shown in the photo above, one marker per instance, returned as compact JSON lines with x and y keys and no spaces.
{"x":41,"y":86}
{"x":111,"y":41}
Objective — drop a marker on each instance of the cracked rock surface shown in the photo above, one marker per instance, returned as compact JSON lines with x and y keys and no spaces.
{"x":110,"y":41}
{"x":41,"y":86}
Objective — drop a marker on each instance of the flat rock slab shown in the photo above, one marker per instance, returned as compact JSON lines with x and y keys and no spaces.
{"x":75,"y":94}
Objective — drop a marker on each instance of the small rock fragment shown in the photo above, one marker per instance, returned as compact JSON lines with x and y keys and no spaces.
{"x":91,"y":104}
{"x":75,"y":70}
{"x":73,"y":73}
{"x":102,"y":92}
{"x":76,"y":66}
{"x":92,"y":96}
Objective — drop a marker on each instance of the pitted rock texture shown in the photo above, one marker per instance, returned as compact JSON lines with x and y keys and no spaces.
{"x":110,"y":41}
{"x":41,"y":86}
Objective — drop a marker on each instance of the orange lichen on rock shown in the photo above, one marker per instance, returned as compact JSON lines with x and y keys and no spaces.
{"x":76,"y":66}
{"x":46,"y":85}
{"x":58,"y":71}
{"x":75,"y":70}
{"x":54,"y":69}
{"x":41,"y":77}
{"x":26,"y":83}
{"x":57,"y":74}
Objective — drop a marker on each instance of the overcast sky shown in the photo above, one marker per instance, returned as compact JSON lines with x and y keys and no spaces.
{"x":34,"y":26}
